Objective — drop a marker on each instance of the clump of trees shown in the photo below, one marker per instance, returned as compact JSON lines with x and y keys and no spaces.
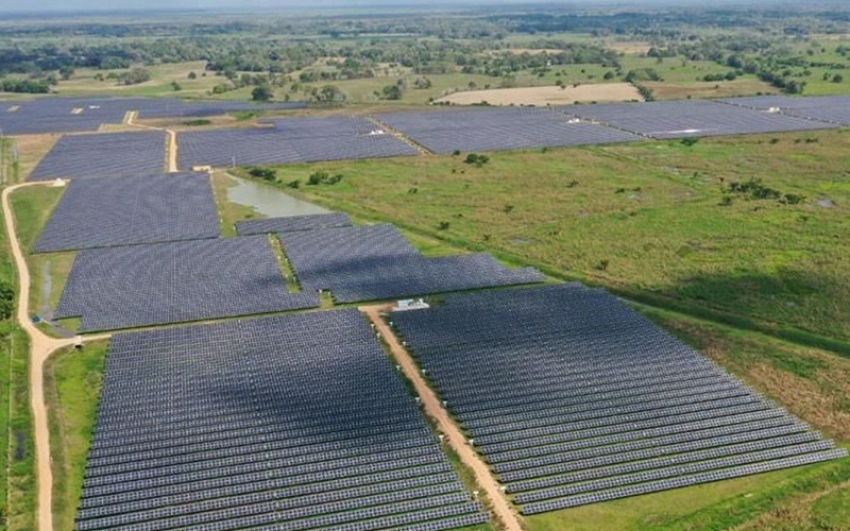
{"x":477,"y":160}
{"x":25,"y":86}
{"x":267,"y":174}
{"x":323,"y":177}
{"x":135,"y":76}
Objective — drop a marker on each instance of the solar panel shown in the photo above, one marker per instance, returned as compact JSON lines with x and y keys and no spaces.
{"x":566,"y":392}
{"x":447,"y":131}
{"x":131,"y":210}
{"x":142,"y":285}
{"x":827,"y":109}
{"x":103,"y":155}
{"x":292,"y":224}
{"x":299,"y":139}
{"x":269,"y":373}
{"x":682,"y":119}
{"x":378,"y":263}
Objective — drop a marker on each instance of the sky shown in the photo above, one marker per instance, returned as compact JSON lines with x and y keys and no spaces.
{"x":9,"y":6}
{"x":118,"y":5}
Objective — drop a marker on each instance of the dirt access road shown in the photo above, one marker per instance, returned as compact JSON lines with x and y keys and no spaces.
{"x":434,"y":409}
{"x":41,"y":347}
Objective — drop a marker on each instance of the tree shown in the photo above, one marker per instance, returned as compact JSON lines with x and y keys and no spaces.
{"x":392,"y":92}
{"x":193,"y":75}
{"x":66,"y":72}
{"x":262,"y":93}
{"x":837,"y":78}
{"x":175,"y":86}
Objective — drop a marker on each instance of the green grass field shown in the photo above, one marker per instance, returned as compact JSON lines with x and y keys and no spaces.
{"x":73,"y":380}
{"x":647,"y":219}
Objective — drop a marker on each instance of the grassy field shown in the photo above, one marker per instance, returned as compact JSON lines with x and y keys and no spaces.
{"x":73,"y":380}
{"x":653,"y":219}
{"x":32,"y":208}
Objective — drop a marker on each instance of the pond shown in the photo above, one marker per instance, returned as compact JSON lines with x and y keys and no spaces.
{"x":269,"y":201}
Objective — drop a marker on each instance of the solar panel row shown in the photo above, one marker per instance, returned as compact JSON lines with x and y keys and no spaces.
{"x":67,"y":115}
{"x":378,"y":263}
{"x":143,"y":285}
{"x":131,"y":210}
{"x":337,"y":440}
{"x":300,"y":139}
{"x":292,"y":224}
{"x":103,"y":155}
{"x":572,"y":397}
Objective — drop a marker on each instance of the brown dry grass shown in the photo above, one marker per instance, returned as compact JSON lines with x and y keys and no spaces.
{"x":547,"y":95}
{"x":812,"y":384}
{"x":702,"y":90}
{"x":31,"y":149}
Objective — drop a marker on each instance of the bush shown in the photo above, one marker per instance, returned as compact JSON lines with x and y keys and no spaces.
{"x":793,"y":199}
{"x":477,"y":160}
{"x":262,"y":93}
{"x":689,"y":142}
{"x":7,"y":300}
{"x":322,"y":177}
{"x":294,"y":184}
{"x":267,"y":174}
{"x":198,"y":122}
{"x":444,"y":225}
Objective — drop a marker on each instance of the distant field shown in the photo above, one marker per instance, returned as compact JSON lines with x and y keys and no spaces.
{"x":649,"y":218}
{"x":547,"y":95}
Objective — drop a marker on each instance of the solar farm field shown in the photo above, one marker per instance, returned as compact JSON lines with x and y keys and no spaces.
{"x":131,"y":210}
{"x":285,"y":423}
{"x":143,"y":285}
{"x":573,"y":398}
{"x":498,"y":129}
{"x":682,"y":119}
{"x":291,"y":140}
{"x":56,"y":115}
{"x":103,"y":155}
{"x":830,"y":109}
{"x":378,"y":263}
{"x":68,"y":115}
{"x":293,"y":224}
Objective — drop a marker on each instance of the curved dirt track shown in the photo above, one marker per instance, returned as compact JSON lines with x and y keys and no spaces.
{"x":500,"y":505}
{"x":41,"y":347}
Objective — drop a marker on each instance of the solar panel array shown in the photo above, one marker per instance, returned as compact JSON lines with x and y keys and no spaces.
{"x":378,"y":263}
{"x":682,"y":119}
{"x":500,"y":129}
{"x":55,"y":115}
{"x":293,"y":223}
{"x":287,"y":423}
{"x":831,"y":109}
{"x":143,"y":285}
{"x":299,"y":139}
{"x":103,"y":155}
{"x":574,"y":398}
{"x":66,"y":115}
{"x":131,"y":210}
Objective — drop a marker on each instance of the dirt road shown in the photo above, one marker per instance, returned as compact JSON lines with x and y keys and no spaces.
{"x":41,"y":347}
{"x":508,"y":519}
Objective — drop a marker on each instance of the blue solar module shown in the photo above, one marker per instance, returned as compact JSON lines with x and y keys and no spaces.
{"x":319,"y":431}
{"x":131,"y":210}
{"x":829,"y":109}
{"x":103,"y":155}
{"x":689,"y":118}
{"x":378,"y":263}
{"x":500,"y":129}
{"x":67,"y":115}
{"x":573,"y":397}
{"x":292,"y":224}
{"x":298,"y":139}
{"x":143,"y":285}
{"x":55,"y":115}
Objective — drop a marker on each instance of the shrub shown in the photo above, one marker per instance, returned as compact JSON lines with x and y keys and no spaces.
{"x":294,"y":184}
{"x":689,"y":142}
{"x":793,"y":199}
{"x":444,"y":225}
{"x":477,"y":160}
{"x":322,"y":177}
{"x":267,"y":174}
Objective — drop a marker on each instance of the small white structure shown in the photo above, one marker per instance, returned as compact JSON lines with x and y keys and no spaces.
{"x":376,"y":132}
{"x":411,"y":304}
{"x":201,"y":169}
{"x":58,"y":183}
{"x":775,"y":110}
